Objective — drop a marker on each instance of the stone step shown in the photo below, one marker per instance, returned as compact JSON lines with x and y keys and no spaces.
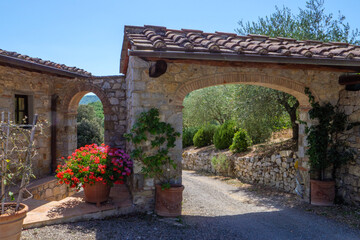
{"x":71,"y":209}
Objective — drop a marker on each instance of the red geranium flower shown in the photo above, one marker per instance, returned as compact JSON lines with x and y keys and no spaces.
{"x":94,"y":163}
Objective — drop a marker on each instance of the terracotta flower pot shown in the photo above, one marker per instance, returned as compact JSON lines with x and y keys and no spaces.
{"x":168,"y":201}
{"x":11,"y":225}
{"x":322,"y":192}
{"x":96,"y":193}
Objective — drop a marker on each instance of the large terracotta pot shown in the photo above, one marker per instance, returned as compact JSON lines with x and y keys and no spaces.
{"x":96,"y":193}
{"x":11,"y":225}
{"x":322,"y":192}
{"x":168,"y":201}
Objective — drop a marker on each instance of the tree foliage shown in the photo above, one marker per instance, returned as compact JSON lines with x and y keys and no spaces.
{"x":209,"y":105}
{"x":251,"y":107}
{"x":259,"y":111}
{"x":311,"y":23}
{"x":89,"y":127}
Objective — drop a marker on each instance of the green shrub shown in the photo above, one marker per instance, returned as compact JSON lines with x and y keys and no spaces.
{"x":188,"y":135}
{"x":241,"y":141}
{"x":224,"y":135}
{"x":220,"y":163}
{"x":204,"y":136}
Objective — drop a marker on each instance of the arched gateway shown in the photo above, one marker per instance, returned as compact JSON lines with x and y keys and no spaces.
{"x":162,"y":66}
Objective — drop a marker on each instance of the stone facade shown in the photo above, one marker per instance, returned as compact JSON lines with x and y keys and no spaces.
{"x":168,"y":91}
{"x":110,"y":90}
{"x":41,"y":88}
{"x":125,"y":97}
{"x":277,"y":170}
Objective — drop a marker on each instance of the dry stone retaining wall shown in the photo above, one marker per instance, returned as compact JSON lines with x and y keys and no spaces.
{"x":48,"y":189}
{"x":277,"y":170}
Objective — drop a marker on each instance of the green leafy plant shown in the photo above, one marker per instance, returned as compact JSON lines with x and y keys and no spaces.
{"x":161,"y":137}
{"x":326,"y":148}
{"x":188,"y":135}
{"x":204,"y":137}
{"x":241,"y":141}
{"x":224,"y":135}
{"x":220,"y":163}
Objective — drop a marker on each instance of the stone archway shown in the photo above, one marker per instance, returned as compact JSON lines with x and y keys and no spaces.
{"x":168,"y":91}
{"x":111,"y":92}
{"x":283,"y":84}
{"x":70,"y":103}
{"x":278,"y":83}
{"x":75,"y":93}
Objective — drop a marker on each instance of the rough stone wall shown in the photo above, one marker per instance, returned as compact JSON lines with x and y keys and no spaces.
{"x":39,"y":87}
{"x":167,"y":92}
{"x":110,"y":90}
{"x":277,"y":170}
{"x":50,"y":190}
{"x":348,"y":176}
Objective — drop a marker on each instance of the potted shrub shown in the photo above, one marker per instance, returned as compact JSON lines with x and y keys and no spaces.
{"x":16,"y":152}
{"x":156,"y":163}
{"x":95,"y":169}
{"x":327,"y":149}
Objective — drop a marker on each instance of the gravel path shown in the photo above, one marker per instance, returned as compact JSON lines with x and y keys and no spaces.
{"x":212,"y":210}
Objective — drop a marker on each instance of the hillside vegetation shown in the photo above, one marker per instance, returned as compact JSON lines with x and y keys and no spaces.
{"x":90,"y":121}
{"x":89,"y":99}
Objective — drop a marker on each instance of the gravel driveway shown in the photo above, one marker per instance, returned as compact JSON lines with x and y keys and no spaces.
{"x":212,"y":210}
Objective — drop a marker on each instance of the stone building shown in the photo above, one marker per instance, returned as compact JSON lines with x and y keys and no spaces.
{"x":160,"y":67}
{"x":53,"y":91}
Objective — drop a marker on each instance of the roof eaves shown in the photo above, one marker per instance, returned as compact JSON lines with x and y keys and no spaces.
{"x":39,"y":67}
{"x":245,"y":58}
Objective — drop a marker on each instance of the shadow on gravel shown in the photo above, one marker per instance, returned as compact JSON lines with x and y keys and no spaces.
{"x":253,"y":226}
{"x":284,"y":224}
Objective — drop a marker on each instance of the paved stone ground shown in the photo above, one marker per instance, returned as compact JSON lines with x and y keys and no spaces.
{"x":212,"y":209}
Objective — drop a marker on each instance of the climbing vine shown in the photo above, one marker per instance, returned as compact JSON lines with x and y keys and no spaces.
{"x":154,"y":156}
{"x":326,"y":148}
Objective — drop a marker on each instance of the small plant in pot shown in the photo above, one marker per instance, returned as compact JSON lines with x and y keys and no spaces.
{"x":152,"y":141}
{"x":16,"y":153}
{"x":327,"y":149}
{"x":95,"y":169}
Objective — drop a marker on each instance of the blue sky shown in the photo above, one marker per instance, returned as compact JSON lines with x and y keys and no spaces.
{"x":89,"y":33}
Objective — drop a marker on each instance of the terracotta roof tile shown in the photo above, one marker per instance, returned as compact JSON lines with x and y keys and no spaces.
{"x":153,"y":38}
{"x":44,"y":62}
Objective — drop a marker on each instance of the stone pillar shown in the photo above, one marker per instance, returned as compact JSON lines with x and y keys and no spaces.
{"x":142,"y":96}
{"x":142,"y":190}
{"x":304,"y":166}
{"x":70,"y":125}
